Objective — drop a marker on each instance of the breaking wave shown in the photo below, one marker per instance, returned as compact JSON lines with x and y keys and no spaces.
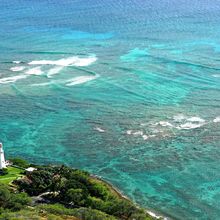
{"x":34,"y":71}
{"x":12,"y":79}
{"x":17,"y":68}
{"x":70,"y":61}
{"x":80,"y":80}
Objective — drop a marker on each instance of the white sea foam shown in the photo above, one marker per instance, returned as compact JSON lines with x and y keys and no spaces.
{"x":34,"y":71}
{"x":216,"y":120}
{"x":54,"y":71}
{"x":70,"y":61}
{"x":181,"y":122}
{"x":12,"y":79}
{"x":42,"y":84}
{"x":154,"y":215}
{"x":17,"y":68}
{"x":165,"y":124}
{"x":138,"y":133}
{"x":134,"y":159}
{"x":145,"y":137}
{"x":129,"y":132}
{"x":16,"y":61}
{"x":196,"y":119}
{"x":189,"y":125}
{"x":85,"y":61}
{"x":99,"y":129}
{"x":192,"y":123}
{"x":80,"y":80}
{"x":143,"y":124}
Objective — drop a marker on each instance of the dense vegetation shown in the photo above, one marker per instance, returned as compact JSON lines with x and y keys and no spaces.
{"x":65,"y":193}
{"x":12,"y":201}
{"x":19,"y":162}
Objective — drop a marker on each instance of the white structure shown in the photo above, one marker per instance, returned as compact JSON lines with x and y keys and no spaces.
{"x":30,"y":169}
{"x":2,"y":157}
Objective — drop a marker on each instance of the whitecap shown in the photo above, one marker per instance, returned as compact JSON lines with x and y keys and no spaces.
{"x":17,"y":68}
{"x":34,"y":71}
{"x":85,"y":61}
{"x":16,"y":61}
{"x":54,"y":71}
{"x":41,"y":84}
{"x":70,"y":61}
{"x":134,"y":159}
{"x":145,"y":137}
{"x":216,"y":120}
{"x":189,"y":125}
{"x":99,"y":129}
{"x":12,"y":79}
{"x":196,"y":119}
{"x":165,"y":124}
{"x":129,"y":132}
{"x":143,"y":124}
{"x":80,"y":80}
{"x":138,"y":133}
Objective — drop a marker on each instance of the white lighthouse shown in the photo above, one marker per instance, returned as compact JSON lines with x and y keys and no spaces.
{"x":2,"y":157}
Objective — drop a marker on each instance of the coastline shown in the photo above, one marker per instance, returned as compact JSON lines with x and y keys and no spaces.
{"x":114,"y":190}
{"x":29,"y":184}
{"x":121,"y":195}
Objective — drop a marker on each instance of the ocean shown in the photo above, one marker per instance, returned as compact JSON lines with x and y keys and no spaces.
{"x":128,"y":90}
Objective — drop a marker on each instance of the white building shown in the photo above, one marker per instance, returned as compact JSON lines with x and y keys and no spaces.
{"x":30,"y":169}
{"x":2,"y":157}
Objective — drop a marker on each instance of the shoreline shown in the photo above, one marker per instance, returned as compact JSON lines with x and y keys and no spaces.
{"x":120,"y":194}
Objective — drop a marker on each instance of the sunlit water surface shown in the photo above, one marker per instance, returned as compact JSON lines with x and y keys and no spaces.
{"x":129,"y":90}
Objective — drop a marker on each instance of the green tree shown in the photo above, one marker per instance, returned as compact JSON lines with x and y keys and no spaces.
{"x":12,"y":201}
{"x":3,"y":171}
{"x":4,"y":195}
{"x":18,"y":201}
{"x":76,"y":196}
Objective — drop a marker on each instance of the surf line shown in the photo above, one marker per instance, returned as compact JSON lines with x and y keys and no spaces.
{"x":91,"y":75}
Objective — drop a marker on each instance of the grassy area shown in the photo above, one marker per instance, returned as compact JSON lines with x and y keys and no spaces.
{"x":34,"y":214}
{"x":13,"y":174}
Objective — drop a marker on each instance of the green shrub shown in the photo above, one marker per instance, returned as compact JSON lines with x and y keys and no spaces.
{"x":99,"y":190}
{"x":18,"y":201}
{"x":56,"y":209}
{"x":38,"y":181}
{"x":12,"y":201}
{"x":19,"y":162}
{"x":81,"y":213}
{"x":91,"y":214}
{"x":3,"y":171}
{"x":4,"y":195}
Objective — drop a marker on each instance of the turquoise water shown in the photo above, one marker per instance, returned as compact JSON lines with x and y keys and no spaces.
{"x":129,"y":90}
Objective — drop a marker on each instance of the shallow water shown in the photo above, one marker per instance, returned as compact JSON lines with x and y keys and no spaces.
{"x":129,"y":91}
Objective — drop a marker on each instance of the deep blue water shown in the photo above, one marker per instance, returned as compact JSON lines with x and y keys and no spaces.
{"x":129,"y":90}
